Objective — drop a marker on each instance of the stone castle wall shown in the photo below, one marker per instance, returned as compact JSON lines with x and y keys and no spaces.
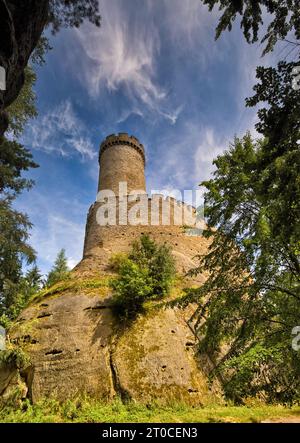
{"x":164,"y":219}
{"x":163,"y":214}
{"x":103,"y":241}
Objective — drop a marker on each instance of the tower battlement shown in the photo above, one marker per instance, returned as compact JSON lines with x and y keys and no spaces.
{"x":122,"y":139}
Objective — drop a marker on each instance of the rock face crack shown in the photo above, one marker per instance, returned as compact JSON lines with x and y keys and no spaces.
{"x":123,"y":393}
{"x":95,"y":308}
{"x":54,"y":352}
{"x":44,"y":314}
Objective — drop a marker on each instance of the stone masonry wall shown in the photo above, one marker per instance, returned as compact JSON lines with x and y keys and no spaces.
{"x":122,"y":159}
{"x":162,"y":214}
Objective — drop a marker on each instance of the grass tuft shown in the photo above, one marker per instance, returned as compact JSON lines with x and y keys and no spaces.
{"x":87,"y":410}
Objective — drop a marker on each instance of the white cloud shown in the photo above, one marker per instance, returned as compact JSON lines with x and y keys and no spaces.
{"x":126,"y":114}
{"x":60,"y":131}
{"x":185,"y":158}
{"x":172,"y":116}
{"x":209,"y":147}
{"x":122,"y":54}
{"x":188,"y":19}
{"x":207,"y":150}
{"x":60,"y":232}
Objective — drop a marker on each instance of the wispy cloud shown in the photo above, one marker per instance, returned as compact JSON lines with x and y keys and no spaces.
{"x":189,"y":161}
{"x":188,"y":20}
{"x":58,"y":231}
{"x":60,"y":131}
{"x":122,"y":54}
{"x":210,"y":145}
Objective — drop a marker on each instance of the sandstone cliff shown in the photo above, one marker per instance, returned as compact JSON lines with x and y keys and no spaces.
{"x":77,"y":346}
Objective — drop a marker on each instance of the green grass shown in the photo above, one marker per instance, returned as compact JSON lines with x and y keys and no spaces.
{"x":92,"y":411}
{"x":72,"y":285}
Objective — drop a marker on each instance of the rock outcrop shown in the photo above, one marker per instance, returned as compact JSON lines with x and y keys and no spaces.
{"x":77,"y":346}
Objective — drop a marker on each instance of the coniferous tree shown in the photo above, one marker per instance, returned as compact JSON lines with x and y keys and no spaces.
{"x":34,"y":279}
{"x":253,"y":265}
{"x":147,"y":273}
{"x":14,"y":226}
{"x":250,"y":301}
{"x":60,"y":270}
{"x":15,"y":159}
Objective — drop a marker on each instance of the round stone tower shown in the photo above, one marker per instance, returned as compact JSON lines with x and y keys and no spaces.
{"x":122,"y":159}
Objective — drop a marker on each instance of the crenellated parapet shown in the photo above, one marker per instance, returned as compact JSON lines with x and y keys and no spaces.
{"x":122,"y":139}
{"x":113,"y":217}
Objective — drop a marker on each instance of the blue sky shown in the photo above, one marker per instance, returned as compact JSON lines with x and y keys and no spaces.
{"x":153,"y":70}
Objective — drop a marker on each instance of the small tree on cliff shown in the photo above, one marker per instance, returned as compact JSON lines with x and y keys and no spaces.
{"x":147,"y":273}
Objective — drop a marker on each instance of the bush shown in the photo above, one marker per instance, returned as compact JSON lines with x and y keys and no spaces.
{"x":14,"y":358}
{"x":158,"y":260}
{"x":147,"y":273}
{"x":116,"y":261}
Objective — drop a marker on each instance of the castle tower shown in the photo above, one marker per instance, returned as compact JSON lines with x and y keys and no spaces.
{"x":95,"y":354}
{"x":121,"y":159}
{"x":111,"y":223}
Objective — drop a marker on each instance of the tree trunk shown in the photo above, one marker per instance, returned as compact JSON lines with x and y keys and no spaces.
{"x":21,"y":25}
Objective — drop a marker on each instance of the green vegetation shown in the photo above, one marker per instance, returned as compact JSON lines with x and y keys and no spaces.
{"x":67,"y":14}
{"x":253,"y":263}
{"x":249,"y":305}
{"x":93,"y":411}
{"x":14,"y":226}
{"x":60,"y":270}
{"x":31,"y":286}
{"x":14,"y":358}
{"x":283,"y":15}
{"x":147,"y":273}
{"x":73,"y":284}
{"x":20,"y":294}
{"x":23,"y":108}
{"x":16,"y":288}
